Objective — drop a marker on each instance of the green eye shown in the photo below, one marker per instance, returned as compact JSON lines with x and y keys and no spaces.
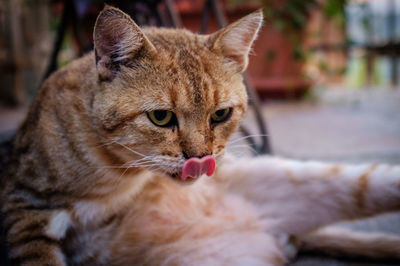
{"x":162,"y":118}
{"x":221,"y":115}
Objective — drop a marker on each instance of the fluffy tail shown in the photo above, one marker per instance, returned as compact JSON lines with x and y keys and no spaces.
{"x":342,"y":242}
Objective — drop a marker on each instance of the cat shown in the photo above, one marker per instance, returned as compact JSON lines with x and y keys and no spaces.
{"x":110,"y":166}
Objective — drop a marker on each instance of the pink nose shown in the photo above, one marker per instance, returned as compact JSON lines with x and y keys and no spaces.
{"x":195,"y":167}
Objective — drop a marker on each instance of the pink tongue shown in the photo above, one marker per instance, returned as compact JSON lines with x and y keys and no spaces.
{"x":195,"y":167}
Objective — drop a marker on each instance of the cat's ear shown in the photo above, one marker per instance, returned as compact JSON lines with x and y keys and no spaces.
{"x":235,"y":40}
{"x":117,"y":39}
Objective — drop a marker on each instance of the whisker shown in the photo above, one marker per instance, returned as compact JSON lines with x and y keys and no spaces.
{"x":239,"y":153}
{"x":129,"y":149}
{"x":243,"y":147}
{"x":105,"y":144}
{"x":127,"y":164}
{"x":246,"y":137}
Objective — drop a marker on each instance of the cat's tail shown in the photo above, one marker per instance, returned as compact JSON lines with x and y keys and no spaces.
{"x":346,"y":243}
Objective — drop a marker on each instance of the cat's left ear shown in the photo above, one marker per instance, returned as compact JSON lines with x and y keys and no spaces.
{"x":235,"y":40}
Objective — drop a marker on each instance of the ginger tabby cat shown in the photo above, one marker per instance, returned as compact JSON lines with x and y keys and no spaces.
{"x":98,"y":167}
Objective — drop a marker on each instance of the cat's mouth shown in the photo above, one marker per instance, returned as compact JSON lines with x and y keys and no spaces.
{"x":178,"y":178}
{"x":194,"y":168}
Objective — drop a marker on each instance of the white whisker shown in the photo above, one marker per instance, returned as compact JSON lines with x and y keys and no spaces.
{"x":131,"y":150}
{"x":241,"y":147}
{"x":246,"y":137}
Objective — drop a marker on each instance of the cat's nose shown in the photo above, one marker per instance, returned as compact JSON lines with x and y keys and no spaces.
{"x":188,"y":155}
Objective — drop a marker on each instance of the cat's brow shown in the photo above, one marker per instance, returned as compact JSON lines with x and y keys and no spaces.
{"x":229,"y":103}
{"x":156,"y":105}
{"x":116,"y":122}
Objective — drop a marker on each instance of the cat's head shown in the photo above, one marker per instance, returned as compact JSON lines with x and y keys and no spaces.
{"x":168,"y":95}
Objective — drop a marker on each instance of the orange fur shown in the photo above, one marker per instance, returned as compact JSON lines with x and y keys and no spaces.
{"x":87,"y":146}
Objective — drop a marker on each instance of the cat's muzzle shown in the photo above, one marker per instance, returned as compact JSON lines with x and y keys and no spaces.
{"x":196,"y":167}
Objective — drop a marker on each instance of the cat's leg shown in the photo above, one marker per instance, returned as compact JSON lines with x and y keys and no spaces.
{"x":343,"y":242}
{"x":33,"y":236}
{"x":297,"y":197}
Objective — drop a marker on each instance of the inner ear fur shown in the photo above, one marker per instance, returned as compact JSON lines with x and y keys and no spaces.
{"x":234,"y":41}
{"x":117,"y":39}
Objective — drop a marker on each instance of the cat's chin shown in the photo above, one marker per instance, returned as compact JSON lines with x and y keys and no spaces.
{"x":177,"y":178}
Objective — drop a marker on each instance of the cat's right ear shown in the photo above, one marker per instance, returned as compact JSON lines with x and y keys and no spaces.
{"x":117,"y":39}
{"x":235,"y":40}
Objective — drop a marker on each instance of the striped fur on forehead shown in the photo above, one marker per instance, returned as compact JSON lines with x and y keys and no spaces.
{"x":192,"y":67}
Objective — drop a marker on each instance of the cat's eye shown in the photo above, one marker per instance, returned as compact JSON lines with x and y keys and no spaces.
{"x":162,"y":118}
{"x":221,"y":115}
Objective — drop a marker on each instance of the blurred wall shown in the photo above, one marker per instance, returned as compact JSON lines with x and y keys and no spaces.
{"x":25,"y":42}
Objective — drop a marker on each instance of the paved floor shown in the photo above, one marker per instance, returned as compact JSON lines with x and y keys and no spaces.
{"x":337,"y":125}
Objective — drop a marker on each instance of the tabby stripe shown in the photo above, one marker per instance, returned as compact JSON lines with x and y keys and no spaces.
{"x":216,"y":97}
{"x":24,"y":258}
{"x":43,"y":207}
{"x":362,"y":187}
{"x":7,"y":226}
{"x":8,"y":214}
{"x":44,"y":195}
{"x":80,"y":155}
{"x":35,"y":238}
{"x":25,"y":188}
{"x":31,"y":228}
{"x":13,"y":209}
{"x":10,"y":220}
{"x":16,"y":199}
{"x":71,"y":148}
{"x":111,"y":157}
{"x":119,"y":122}
{"x":165,"y":43}
{"x":173,"y":95}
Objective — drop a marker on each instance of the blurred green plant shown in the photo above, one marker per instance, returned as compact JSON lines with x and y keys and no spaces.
{"x":335,"y":9}
{"x":290,"y":17}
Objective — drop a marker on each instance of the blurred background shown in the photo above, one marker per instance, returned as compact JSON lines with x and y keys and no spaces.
{"x":323,"y":75}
